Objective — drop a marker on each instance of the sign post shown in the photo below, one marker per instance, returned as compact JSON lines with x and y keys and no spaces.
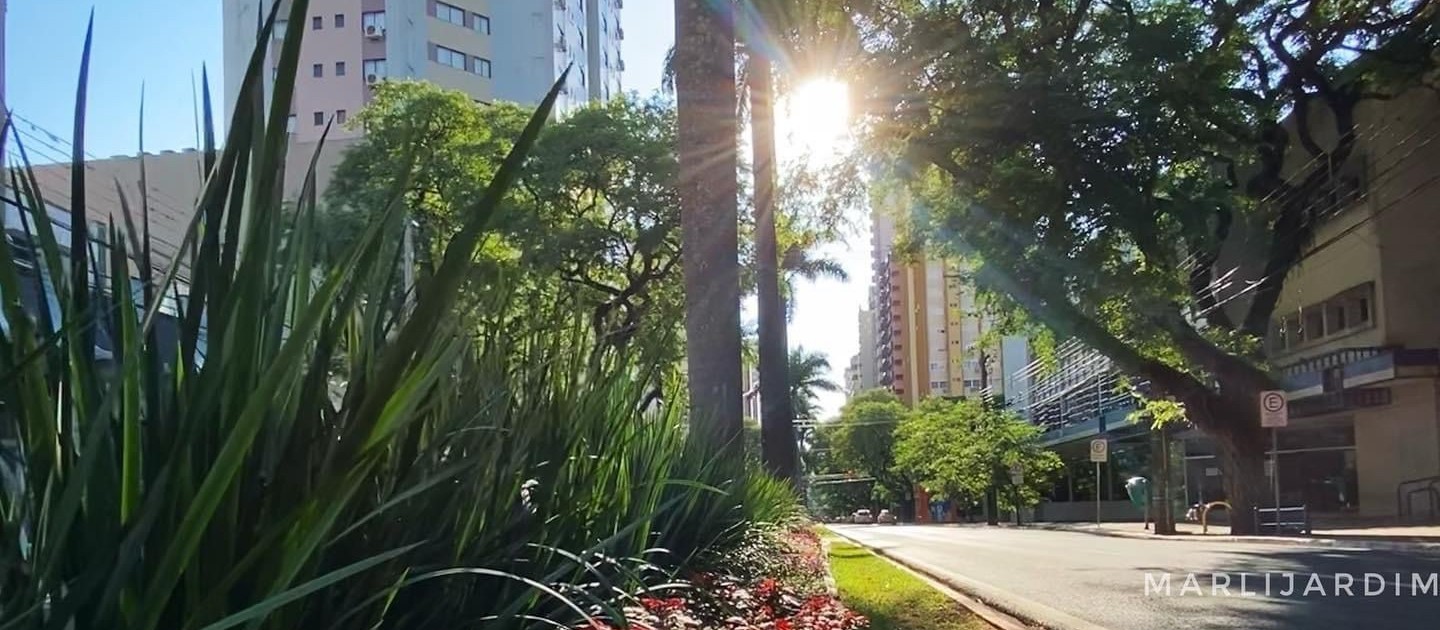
{"x":1099,"y":453}
{"x":1274,"y":414}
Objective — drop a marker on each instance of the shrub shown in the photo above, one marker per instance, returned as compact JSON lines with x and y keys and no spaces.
{"x":319,"y":446}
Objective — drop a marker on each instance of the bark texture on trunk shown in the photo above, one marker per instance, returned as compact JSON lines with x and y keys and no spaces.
{"x":777,"y":419}
{"x":709,"y":219}
{"x":1242,"y":457}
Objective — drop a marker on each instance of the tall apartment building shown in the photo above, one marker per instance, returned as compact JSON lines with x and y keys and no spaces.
{"x":861,"y":374}
{"x":511,"y":50}
{"x":929,"y":338}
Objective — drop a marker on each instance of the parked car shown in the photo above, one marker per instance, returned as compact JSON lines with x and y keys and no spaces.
{"x":862,"y":517}
{"x":885,"y":518}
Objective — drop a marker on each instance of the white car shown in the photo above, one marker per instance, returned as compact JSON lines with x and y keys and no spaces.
{"x":862,"y":517}
{"x":885,"y":518}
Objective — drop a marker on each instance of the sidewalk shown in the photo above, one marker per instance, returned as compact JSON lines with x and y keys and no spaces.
{"x":1423,"y":538}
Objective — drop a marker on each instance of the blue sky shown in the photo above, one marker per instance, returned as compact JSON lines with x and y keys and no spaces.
{"x":163,"y":44}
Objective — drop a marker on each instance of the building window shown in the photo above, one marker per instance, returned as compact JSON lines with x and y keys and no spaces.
{"x":339,"y":68}
{"x":317,"y":23}
{"x":447,"y":57}
{"x":448,"y":13}
{"x":1348,"y":310}
{"x":373,"y":21}
{"x":290,"y":123}
{"x":319,"y":118}
{"x":317,"y":70}
{"x":373,"y":67}
{"x":482,"y":67}
{"x":482,"y":24}
{"x":340,"y":116}
{"x":339,"y":20}
{"x":279,"y":31}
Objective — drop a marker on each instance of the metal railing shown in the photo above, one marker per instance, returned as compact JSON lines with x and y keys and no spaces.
{"x":1406,"y":490}
{"x":1295,"y":518}
{"x":1083,"y":387}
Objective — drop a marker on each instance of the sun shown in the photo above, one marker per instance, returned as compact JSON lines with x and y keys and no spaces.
{"x":814,"y":120}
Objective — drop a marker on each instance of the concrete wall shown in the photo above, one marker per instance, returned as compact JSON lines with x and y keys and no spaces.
{"x":1405,"y":153}
{"x":1397,"y":442}
{"x":524,"y":58}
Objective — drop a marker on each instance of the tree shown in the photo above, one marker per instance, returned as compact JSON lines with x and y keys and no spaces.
{"x":709,"y":210}
{"x":776,"y":28}
{"x":594,"y":218}
{"x":1094,"y":158}
{"x":964,"y":449}
{"x":863,"y":442}
{"x":807,"y":375}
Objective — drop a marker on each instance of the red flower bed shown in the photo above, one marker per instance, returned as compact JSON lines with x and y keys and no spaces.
{"x":791,"y":597}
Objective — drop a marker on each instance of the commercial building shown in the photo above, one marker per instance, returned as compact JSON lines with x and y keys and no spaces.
{"x":1354,"y":340}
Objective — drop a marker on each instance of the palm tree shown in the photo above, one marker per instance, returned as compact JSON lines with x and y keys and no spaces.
{"x":808,"y":376}
{"x":709,"y":217}
{"x":775,"y":27}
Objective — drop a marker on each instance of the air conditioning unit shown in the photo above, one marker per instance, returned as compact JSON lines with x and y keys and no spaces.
{"x":372,"y":79}
{"x":374,"y":32}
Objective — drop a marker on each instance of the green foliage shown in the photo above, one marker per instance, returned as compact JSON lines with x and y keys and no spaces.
{"x":891,"y":597}
{"x":1092,"y":160}
{"x":1158,"y":413}
{"x":959,"y":449}
{"x":299,"y":451}
{"x":595,"y":215}
{"x":863,"y":442}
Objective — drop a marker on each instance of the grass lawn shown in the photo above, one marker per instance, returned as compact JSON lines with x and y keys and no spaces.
{"x":891,"y":597}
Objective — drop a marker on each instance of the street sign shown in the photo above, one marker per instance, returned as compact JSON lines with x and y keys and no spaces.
{"x":1274,"y":409}
{"x":1099,"y":450}
{"x":1017,"y":474}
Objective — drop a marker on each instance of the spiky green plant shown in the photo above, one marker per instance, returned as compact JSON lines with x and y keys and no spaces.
{"x":313,"y":451}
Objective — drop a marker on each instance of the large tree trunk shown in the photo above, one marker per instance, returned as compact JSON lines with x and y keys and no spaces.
{"x":777,"y":425}
{"x":709,"y":219}
{"x":1241,"y":450}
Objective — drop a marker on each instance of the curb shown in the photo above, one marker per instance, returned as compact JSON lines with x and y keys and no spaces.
{"x":1001,"y":609}
{"x":1285,"y":541}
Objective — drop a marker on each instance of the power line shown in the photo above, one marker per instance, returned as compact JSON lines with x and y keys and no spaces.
{"x":69,"y":149}
{"x":101,"y":193}
{"x":1254,"y":285}
{"x":1340,"y":202}
{"x":59,"y":158}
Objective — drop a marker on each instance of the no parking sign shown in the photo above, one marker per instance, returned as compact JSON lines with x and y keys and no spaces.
{"x":1274,"y":409}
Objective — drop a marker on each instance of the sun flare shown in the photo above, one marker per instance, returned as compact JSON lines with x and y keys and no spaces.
{"x":815,"y":119}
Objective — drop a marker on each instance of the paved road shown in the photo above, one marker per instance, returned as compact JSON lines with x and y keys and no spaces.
{"x":1083,"y":581}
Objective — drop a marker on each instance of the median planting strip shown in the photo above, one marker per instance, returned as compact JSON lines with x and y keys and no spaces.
{"x":893,"y":598}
